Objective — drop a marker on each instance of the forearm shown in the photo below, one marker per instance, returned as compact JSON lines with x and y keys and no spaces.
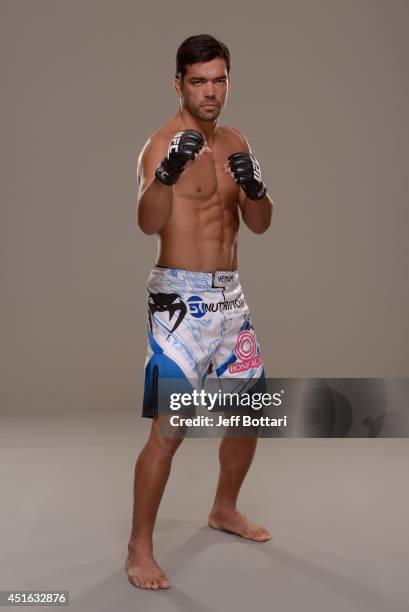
{"x":154,"y":206}
{"x":257,"y":214}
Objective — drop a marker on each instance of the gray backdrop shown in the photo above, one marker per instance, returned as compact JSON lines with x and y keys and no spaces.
{"x":319,"y":87}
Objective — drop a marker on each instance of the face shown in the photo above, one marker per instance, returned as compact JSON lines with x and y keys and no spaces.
{"x":203,"y":91}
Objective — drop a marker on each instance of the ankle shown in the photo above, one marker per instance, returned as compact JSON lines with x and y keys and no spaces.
{"x":140,"y":548}
{"x":223,"y":510}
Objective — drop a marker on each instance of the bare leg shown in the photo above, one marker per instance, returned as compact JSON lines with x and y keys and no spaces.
{"x":236,"y":455}
{"x":152,"y":470}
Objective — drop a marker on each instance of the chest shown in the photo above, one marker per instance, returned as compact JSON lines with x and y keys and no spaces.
{"x":206,"y":177}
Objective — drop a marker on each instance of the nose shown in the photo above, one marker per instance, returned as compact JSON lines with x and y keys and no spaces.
{"x":209,"y":90}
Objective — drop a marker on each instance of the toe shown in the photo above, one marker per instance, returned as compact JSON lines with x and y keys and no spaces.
{"x":155,"y":584}
{"x":164,"y":583}
{"x":134,"y":580}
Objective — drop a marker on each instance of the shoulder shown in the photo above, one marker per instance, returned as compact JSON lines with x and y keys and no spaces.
{"x":156,"y":147}
{"x":155,"y":140}
{"x":152,"y":152}
{"x":235,"y":137}
{"x":159,"y":140}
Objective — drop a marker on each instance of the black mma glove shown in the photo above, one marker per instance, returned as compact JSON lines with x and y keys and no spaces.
{"x":182,"y":148}
{"x":247,"y":173}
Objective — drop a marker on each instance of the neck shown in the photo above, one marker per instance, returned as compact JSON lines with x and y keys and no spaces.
{"x":193,"y":123}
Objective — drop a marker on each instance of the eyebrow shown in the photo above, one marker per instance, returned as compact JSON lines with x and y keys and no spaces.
{"x":197,"y":78}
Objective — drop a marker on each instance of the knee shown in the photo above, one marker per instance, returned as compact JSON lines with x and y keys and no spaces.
{"x":166,"y":447}
{"x":162,"y":446}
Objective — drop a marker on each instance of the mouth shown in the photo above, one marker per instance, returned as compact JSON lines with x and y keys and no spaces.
{"x":210,"y":105}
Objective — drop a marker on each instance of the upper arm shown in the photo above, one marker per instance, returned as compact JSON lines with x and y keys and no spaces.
{"x":151,"y":155}
{"x":244,"y":145}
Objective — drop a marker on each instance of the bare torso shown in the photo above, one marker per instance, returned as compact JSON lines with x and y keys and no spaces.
{"x":202,"y":232}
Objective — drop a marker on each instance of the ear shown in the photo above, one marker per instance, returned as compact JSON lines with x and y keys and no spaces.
{"x":177,"y":83}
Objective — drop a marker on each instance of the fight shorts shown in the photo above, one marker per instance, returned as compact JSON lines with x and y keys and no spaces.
{"x":199,"y":326}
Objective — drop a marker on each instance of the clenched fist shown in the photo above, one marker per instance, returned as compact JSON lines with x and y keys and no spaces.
{"x":183,"y":147}
{"x":247,"y":174}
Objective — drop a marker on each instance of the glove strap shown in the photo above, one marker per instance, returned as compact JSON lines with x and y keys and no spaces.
{"x":166,"y":175}
{"x":257,"y":193}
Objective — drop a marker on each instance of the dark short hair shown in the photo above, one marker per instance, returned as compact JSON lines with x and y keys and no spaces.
{"x":200,"y":48}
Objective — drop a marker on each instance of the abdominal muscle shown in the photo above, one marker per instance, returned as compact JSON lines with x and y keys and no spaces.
{"x":200,"y":235}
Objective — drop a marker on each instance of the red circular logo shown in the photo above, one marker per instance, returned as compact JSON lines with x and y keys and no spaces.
{"x":246,"y":345}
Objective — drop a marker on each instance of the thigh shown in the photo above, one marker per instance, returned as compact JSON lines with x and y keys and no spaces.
{"x":182,"y":338}
{"x":239,"y":354}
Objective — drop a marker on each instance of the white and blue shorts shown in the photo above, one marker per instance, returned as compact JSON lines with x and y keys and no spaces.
{"x":199,"y":325}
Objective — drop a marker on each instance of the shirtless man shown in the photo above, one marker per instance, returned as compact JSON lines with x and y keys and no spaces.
{"x":191,"y":188}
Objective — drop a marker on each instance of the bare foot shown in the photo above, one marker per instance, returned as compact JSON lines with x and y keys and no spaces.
{"x":237,"y":523}
{"x":145,"y":573}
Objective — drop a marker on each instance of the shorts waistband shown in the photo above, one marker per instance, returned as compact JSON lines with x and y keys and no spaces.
{"x":191,"y":280}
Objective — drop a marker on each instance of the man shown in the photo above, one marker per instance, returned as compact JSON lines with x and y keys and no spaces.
{"x":194,"y":176}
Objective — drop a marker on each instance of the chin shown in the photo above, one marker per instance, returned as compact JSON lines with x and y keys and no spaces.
{"x":208,"y":116}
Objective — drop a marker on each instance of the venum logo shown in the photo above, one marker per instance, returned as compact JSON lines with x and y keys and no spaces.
{"x":224,"y":278}
{"x":171,"y":303}
{"x":245,"y":350}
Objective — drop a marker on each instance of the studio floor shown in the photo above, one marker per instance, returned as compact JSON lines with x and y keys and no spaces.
{"x":338,"y":511}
